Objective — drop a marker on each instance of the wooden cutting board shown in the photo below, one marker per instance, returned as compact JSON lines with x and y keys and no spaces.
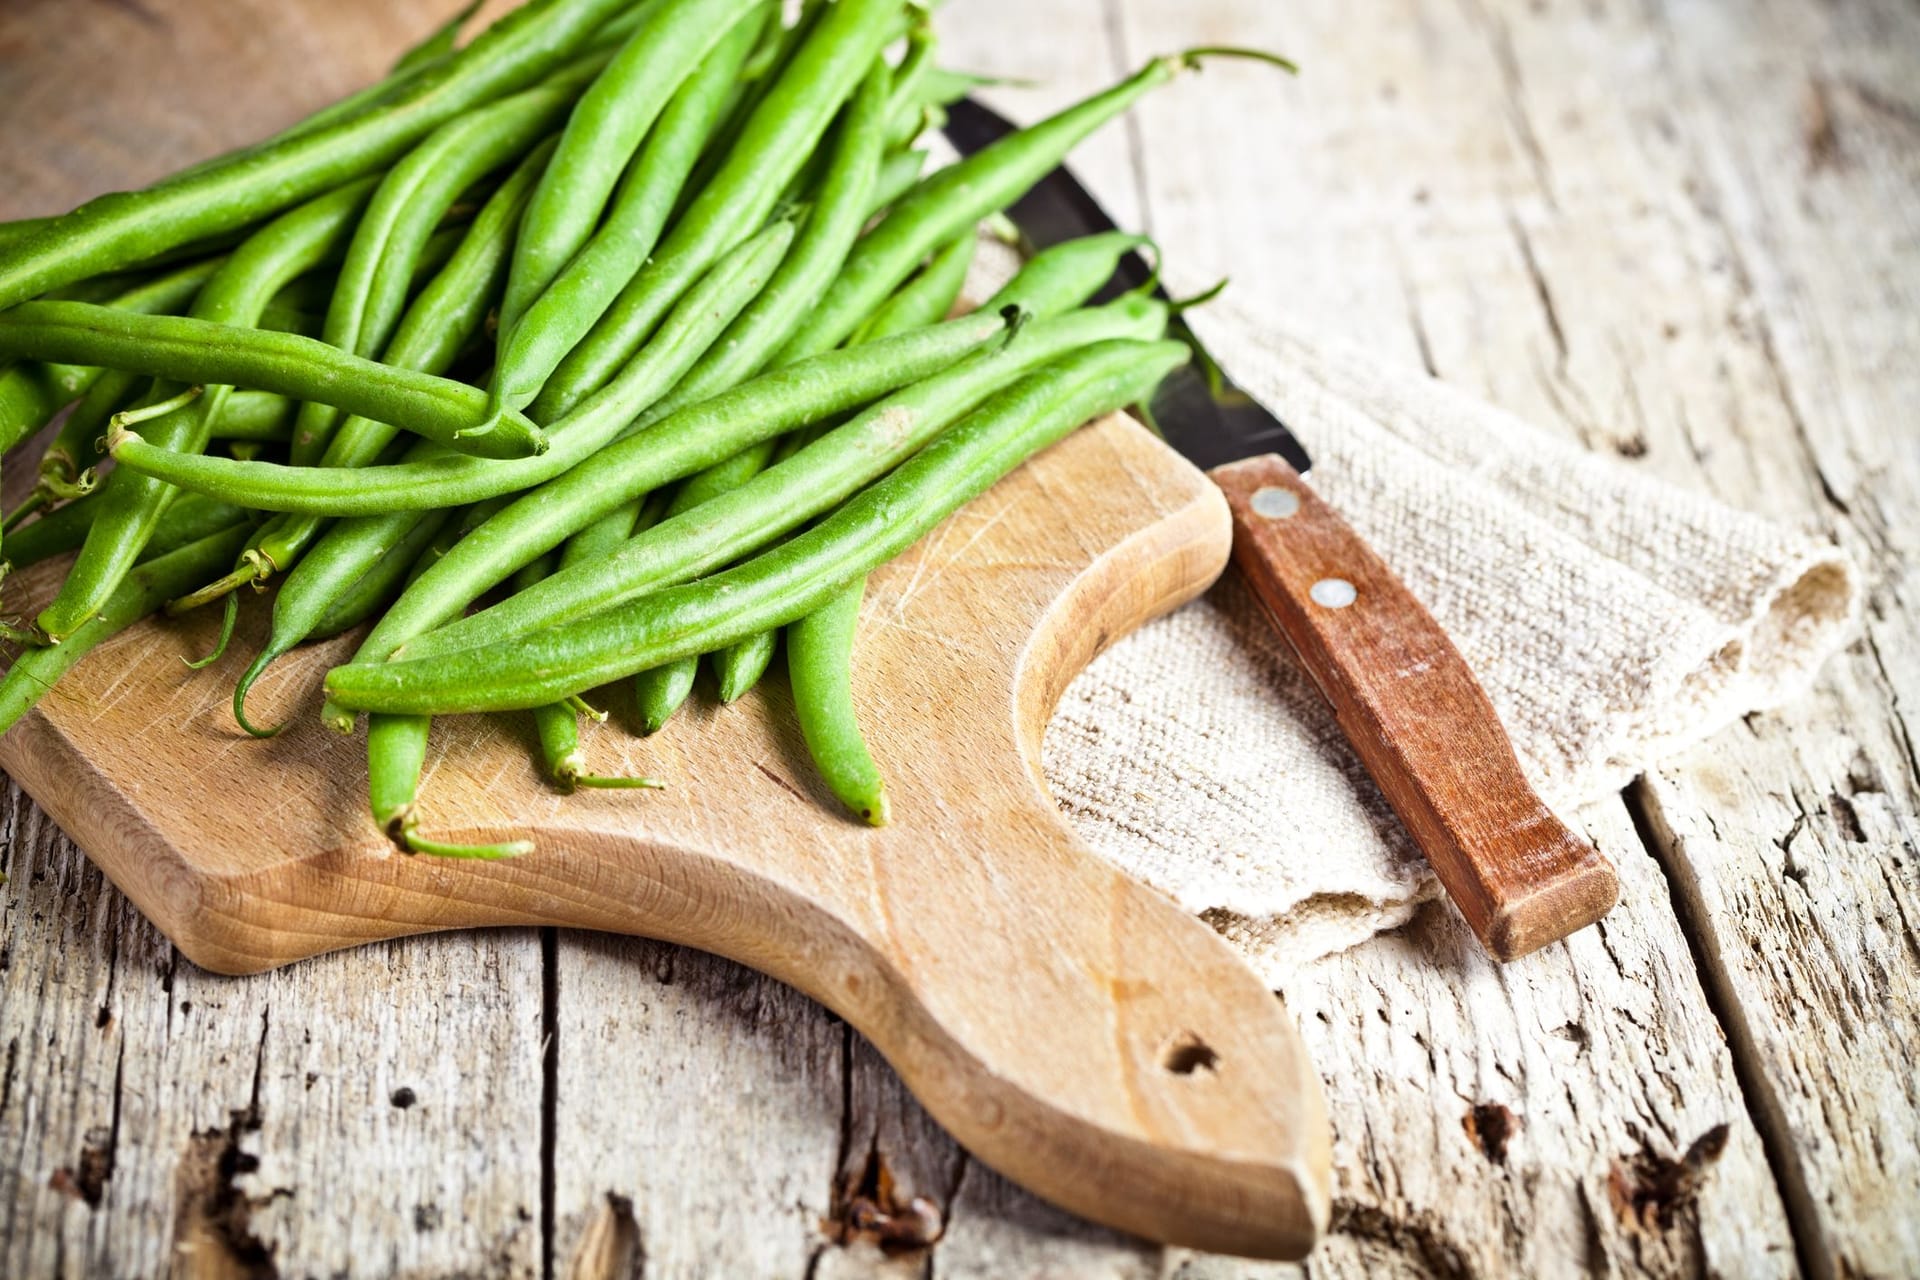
{"x":1071,"y":1027}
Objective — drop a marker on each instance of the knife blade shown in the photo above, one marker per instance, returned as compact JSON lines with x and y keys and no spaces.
{"x":1405,"y":698}
{"x":1208,"y":424}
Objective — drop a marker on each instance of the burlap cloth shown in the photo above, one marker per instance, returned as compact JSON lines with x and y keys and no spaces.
{"x":1614,"y":619}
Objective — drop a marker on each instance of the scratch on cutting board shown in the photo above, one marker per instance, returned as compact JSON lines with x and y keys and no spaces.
{"x":922,"y":580}
{"x":940,"y":638}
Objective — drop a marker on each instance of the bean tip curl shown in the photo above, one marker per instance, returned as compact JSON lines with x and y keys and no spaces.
{"x":1190,"y":59}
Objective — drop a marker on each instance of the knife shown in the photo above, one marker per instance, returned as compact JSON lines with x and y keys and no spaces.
{"x":1401,"y":692}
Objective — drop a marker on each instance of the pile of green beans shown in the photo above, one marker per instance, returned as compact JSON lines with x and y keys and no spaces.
{"x":624,"y":339}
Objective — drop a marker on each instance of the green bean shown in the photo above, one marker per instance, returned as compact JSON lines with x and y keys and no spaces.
{"x":764,"y":66}
{"x":537,"y":331}
{"x":601,"y":536}
{"x":722,"y":477}
{"x":463,"y":520}
{"x":832,"y":224}
{"x":188,"y":519}
{"x":439,"y":478}
{"x":905,"y":108}
{"x":379,"y":584}
{"x":452,"y":310}
{"x":676,"y":446}
{"x":448,"y":314}
{"x":781,"y":585}
{"x":43,"y":387}
{"x":953,"y":199}
{"x":28,"y":401}
{"x":377,"y":587}
{"x":396,"y":751}
{"x":424,"y":59}
{"x":139,"y":594}
{"x":839,"y":209}
{"x":819,"y":663}
{"x":605,"y":535}
{"x":434,"y":551}
{"x":659,"y":691}
{"x":597,"y":540}
{"x":777,"y":140}
{"x":1074,"y":268}
{"x":927,"y":297}
{"x":99,"y":288}
{"x":255,"y":416}
{"x":738,"y":667}
{"x":117,"y":231}
{"x":556,"y":721}
{"x":191,"y":350}
{"x":330,"y":570}
{"x":281,"y":319}
{"x":899,"y":173}
{"x":370,"y":294}
{"x":592,"y":544}
{"x":604,"y":132}
{"x":439,"y":43}
{"x":715,"y":533}
{"x":171,"y":291}
{"x":777,"y":42}
{"x":714,"y":430}
{"x":709,"y":321}
{"x":448,"y":413}
{"x":65,"y":465}
{"x":924,"y":300}
{"x":234,"y":296}
{"x":168,"y":293}
{"x":559,"y":730}
{"x":356,"y":543}
{"x":20,"y":228}
{"x":66,"y":468}
{"x":402,"y":742}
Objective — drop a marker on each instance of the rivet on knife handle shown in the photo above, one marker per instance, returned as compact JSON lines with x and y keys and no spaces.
{"x":1419,"y":720}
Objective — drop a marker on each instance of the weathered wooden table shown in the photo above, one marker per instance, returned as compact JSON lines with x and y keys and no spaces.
{"x":1683,"y":231}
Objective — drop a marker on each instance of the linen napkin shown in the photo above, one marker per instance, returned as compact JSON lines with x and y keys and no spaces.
{"x":1613,"y":619}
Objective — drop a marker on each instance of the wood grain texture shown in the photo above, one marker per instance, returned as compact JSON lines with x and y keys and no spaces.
{"x":1414,"y":713}
{"x":1626,"y":221}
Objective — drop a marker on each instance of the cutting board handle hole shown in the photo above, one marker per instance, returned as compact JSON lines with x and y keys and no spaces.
{"x":1187,"y":1053}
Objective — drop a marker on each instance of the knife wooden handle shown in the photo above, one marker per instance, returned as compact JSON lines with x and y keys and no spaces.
{"x":1419,"y":720}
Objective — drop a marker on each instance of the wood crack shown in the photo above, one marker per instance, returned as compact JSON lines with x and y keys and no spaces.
{"x":1893,"y":706}
{"x":1764,"y":1107}
{"x":1542,"y":292}
{"x":1416,"y":321}
{"x":1499,"y":39}
{"x":549,"y":1091}
{"x":213,"y":1225}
